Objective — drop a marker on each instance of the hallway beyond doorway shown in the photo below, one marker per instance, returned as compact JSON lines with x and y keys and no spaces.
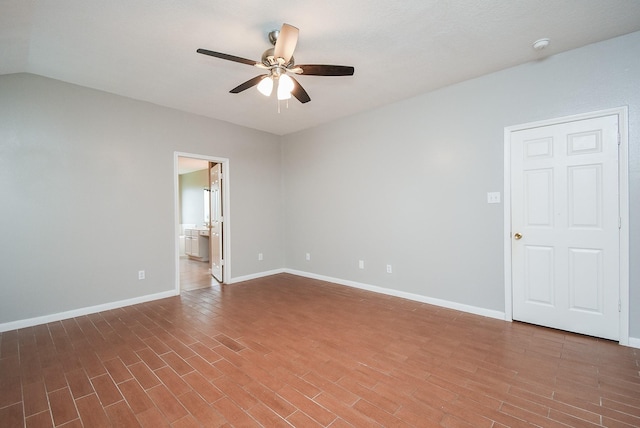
{"x":195,"y":274}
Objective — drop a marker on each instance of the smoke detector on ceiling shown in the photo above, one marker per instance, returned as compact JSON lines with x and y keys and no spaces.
{"x":540,"y":44}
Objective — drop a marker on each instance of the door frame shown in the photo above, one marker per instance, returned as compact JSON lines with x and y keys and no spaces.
{"x":226,"y":214}
{"x":623,"y":203}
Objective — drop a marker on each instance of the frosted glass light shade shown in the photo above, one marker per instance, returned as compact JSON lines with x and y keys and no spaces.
{"x":285,"y":86}
{"x":266,"y":86}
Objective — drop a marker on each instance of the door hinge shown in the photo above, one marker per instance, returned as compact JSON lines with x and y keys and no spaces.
{"x":619,"y":139}
{"x":221,"y":262}
{"x":619,"y":222}
{"x":619,"y":306}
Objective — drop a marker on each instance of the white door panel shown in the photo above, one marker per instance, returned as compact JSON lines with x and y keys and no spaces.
{"x":539,"y":275}
{"x":564,"y":195}
{"x":216,"y":231}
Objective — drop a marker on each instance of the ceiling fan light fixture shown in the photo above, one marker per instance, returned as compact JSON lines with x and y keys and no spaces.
{"x":285,"y":86}
{"x":266,"y":86}
{"x":277,"y":62}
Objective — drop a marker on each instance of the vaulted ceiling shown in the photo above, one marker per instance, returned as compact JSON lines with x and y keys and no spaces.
{"x":146,"y":49}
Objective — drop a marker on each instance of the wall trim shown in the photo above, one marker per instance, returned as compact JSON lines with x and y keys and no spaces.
{"x":410,"y":296}
{"x":255,"y":276}
{"x":30,"y":322}
{"x":634,"y":342}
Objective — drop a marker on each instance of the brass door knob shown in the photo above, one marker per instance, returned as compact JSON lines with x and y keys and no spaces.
{"x":517,"y":236}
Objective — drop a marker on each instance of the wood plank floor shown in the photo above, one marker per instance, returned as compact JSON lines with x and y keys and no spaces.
{"x":289,"y":351}
{"x":195,"y":274}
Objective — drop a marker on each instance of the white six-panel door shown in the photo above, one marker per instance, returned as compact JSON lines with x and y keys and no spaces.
{"x":565,"y":226}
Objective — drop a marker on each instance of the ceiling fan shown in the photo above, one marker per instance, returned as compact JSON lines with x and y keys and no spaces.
{"x":279,"y":63}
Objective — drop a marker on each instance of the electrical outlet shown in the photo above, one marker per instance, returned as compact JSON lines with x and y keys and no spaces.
{"x":493,"y":197}
{"x":260,"y":257}
{"x":361,"y":264}
{"x":389,"y":269}
{"x":141,"y":274}
{"x":307,"y":256}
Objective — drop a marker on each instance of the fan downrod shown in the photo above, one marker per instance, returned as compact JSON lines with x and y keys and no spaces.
{"x":273,"y":36}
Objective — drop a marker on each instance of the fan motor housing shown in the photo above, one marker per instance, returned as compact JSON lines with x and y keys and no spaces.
{"x":269,"y":60}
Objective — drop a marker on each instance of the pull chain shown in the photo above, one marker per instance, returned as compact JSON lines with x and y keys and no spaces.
{"x":286,"y":105}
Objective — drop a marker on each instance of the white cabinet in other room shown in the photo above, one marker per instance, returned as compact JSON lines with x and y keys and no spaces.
{"x":196,"y":244}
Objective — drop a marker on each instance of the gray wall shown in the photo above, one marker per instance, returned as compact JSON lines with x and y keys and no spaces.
{"x":86,"y":184}
{"x":87,"y":195}
{"x":406,"y":184}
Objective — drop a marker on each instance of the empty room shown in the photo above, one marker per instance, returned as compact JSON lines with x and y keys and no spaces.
{"x":417,"y":213}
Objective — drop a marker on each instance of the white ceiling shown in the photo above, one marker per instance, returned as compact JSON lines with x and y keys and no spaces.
{"x":146,"y":49}
{"x":187,"y":165}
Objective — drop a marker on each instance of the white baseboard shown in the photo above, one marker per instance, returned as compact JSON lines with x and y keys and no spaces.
{"x":634,"y":342}
{"x":30,"y":322}
{"x":416,"y":297}
{"x":255,"y":276}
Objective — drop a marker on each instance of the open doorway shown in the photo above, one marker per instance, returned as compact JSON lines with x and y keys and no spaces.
{"x":201,"y":213}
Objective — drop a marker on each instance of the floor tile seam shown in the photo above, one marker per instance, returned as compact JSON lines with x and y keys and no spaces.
{"x":163,"y":382}
{"x":548,"y":417}
{"x":406,"y":393}
{"x":324,"y":391}
{"x":148,"y":368}
{"x":598,"y":423}
{"x":315,"y":420}
{"x":306,"y":397}
{"x":57,"y":389}
{"x":181,"y":359}
{"x":95,"y":391}
{"x":616,"y":411}
{"x":210,"y":404}
{"x":497,"y":416}
{"x":409,"y":399}
{"x":421,"y":405}
{"x":75,"y":406}
{"x":197,"y":418}
{"x":631,"y":373}
{"x":509,"y":403}
{"x":620,"y":403}
{"x":358,"y":383}
{"x":39,"y":413}
{"x":471,"y":395}
{"x":270,"y":408}
{"x":594,"y":395}
{"x":239,"y":408}
{"x":563,"y":407}
{"x":145,"y":363}
{"x":158,"y":405}
{"x":633,"y":387}
{"x":340,"y":415}
{"x":83,"y":396}
{"x":467,"y":420}
{"x":372,"y":405}
{"x":125,"y":367}
{"x":22,"y":402}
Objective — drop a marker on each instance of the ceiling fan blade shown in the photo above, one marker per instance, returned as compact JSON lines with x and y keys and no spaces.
{"x":248,"y":84}
{"x":286,"y":43}
{"x":326,"y":70}
{"x":227,"y":57}
{"x":299,"y":92}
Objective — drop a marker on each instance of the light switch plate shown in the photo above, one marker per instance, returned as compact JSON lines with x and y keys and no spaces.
{"x":493,"y":197}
